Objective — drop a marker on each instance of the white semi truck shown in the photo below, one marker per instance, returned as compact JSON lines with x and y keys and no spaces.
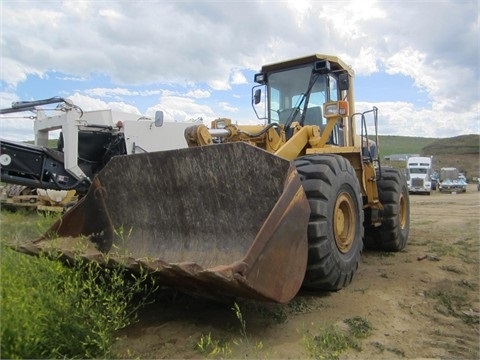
{"x":419,"y":171}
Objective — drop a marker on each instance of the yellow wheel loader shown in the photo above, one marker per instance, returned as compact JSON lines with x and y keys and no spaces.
{"x":253,"y":211}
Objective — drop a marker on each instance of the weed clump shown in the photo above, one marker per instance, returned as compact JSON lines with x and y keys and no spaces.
{"x":332,"y":341}
{"x":50,"y":310}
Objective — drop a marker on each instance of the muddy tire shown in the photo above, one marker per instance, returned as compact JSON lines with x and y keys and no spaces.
{"x":335,"y":228}
{"x":392,"y":234}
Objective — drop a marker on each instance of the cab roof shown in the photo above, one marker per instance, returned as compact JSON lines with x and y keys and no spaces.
{"x":335,"y":62}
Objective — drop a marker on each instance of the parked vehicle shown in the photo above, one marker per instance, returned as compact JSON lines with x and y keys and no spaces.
{"x":450,"y":180}
{"x":419,"y":173}
{"x":87,"y":142}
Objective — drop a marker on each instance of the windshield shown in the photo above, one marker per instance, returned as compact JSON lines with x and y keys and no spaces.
{"x":288,"y":96}
{"x":418,"y":171}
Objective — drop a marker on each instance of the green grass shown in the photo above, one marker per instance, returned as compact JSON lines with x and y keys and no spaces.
{"x":451,"y":268}
{"x":51,"y":310}
{"x":229,"y":346}
{"x":52,"y":143}
{"x":389,"y":144}
{"x":464,"y":144}
{"x":359,"y":327}
{"x":329,"y":343}
{"x":332,"y":341}
{"x":450,"y":302}
{"x":466,"y":251}
{"x":214,"y":348}
{"x":24,"y":225}
{"x":381,"y":348}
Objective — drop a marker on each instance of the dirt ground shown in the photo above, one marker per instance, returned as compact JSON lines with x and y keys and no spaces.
{"x":422,"y":302}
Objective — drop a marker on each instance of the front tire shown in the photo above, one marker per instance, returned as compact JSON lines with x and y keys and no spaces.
{"x":392,"y":234}
{"x":335,"y":228}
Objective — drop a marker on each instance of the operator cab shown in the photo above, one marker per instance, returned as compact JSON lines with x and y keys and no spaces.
{"x":298,"y":94}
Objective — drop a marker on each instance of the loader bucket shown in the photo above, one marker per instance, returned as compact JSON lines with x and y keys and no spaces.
{"x":219,"y":220}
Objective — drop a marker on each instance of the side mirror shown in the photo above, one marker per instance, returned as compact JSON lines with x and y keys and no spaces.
{"x":158,"y":118}
{"x":343,"y":81}
{"x":257,"y":97}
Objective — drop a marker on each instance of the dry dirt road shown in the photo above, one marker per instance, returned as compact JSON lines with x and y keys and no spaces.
{"x":422,"y":302}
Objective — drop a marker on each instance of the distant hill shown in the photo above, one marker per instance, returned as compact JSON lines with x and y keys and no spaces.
{"x":391,"y":144}
{"x":462,"y":152}
{"x":464,"y":144}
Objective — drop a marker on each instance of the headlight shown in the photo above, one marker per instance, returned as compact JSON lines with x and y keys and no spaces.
{"x":221,"y":123}
{"x":335,"y":109}
{"x":331,"y":109}
{"x":260,"y":78}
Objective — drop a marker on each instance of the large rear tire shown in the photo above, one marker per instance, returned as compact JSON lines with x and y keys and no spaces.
{"x":392,"y":234}
{"x":335,"y":229}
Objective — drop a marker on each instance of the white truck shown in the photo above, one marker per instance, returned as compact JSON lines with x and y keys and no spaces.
{"x":88,"y":140}
{"x":419,"y":171}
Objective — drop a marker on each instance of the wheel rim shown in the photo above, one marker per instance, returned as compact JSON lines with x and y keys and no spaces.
{"x":344,"y":219}
{"x":403,"y":212}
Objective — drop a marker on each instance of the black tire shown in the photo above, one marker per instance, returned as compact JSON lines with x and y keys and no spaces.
{"x":392,"y":234}
{"x":335,"y":228}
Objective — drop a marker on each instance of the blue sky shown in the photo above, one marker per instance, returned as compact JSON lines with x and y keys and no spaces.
{"x":197,"y":58}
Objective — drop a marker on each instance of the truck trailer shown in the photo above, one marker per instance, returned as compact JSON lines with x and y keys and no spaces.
{"x":450,"y":181}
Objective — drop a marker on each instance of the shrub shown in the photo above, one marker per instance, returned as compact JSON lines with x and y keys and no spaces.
{"x":49,"y":310}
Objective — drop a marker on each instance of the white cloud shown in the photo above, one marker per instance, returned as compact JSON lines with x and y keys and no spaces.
{"x":177,"y":45}
{"x":7,"y":98}
{"x":181,"y":108}
{"x":13,"y":72}
{"x":87,"y":103}
{"x":366,"y":63}
{"x":16,"y":127}
{"x":120,"y":92}
{"x":347,"y":19}
{"x":198,"y":94}
{"x":72,"y":78}
{"x":111,"y":15}
{"x":401,"y":118}
{"x":227,"y":107}
{"x":219,"y":84}
{"x":237,"y":77}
